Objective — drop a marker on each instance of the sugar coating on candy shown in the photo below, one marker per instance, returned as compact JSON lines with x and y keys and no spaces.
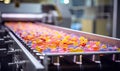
{"x":46,"y":40}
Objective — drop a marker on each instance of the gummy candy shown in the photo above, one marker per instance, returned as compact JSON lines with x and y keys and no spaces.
{"x":46,"y":40}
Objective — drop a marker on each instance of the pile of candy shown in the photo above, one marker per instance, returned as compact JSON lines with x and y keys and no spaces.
{"x":46,"y":40}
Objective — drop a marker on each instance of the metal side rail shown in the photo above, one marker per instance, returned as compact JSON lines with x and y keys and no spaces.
{"x":32,"y":63}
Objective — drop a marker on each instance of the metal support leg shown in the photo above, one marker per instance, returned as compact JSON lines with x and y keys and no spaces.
{"x":45,"y":62}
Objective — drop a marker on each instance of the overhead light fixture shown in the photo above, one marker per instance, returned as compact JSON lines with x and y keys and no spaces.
{"x":1,"y":0}
{"x":66,"y":1}
{"x":7,"y":1}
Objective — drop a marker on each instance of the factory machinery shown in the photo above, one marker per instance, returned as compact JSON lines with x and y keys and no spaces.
{"x":17,"y":55}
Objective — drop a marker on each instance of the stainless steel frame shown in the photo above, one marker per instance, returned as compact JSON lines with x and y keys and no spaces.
{"x":114,"y":18}
{"x":22,"y":17}
{"x":31,"y":63}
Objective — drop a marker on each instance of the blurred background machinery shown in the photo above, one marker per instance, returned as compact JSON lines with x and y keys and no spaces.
{"x":96,"y":14}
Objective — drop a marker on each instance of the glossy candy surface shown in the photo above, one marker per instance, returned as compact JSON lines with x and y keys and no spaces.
{"x":46,"y":40}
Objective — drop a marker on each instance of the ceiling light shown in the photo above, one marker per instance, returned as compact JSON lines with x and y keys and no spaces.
{"x":1,"y":0}
{"x":66,"y":1}
{"x":7,"y":1}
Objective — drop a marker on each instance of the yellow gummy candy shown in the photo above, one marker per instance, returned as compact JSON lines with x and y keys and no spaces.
{"x":118,"y":49}
{"x":53,"y":46}
{"x":82,"y":38}
{"x":75,"y":43}
{"x":38,"y":49}
{"x":79,"y":50}
{"x":104,"y":46}
{"x":97,"y":43}
{"x":58,"y":36}
{"x":67,"y":37}
{"x":71,"y":49}
{"x":64,"y":40}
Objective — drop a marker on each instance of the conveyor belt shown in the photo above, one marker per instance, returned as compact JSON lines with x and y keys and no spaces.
{"x":110,"y":41}
{"x":67,"y":61}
